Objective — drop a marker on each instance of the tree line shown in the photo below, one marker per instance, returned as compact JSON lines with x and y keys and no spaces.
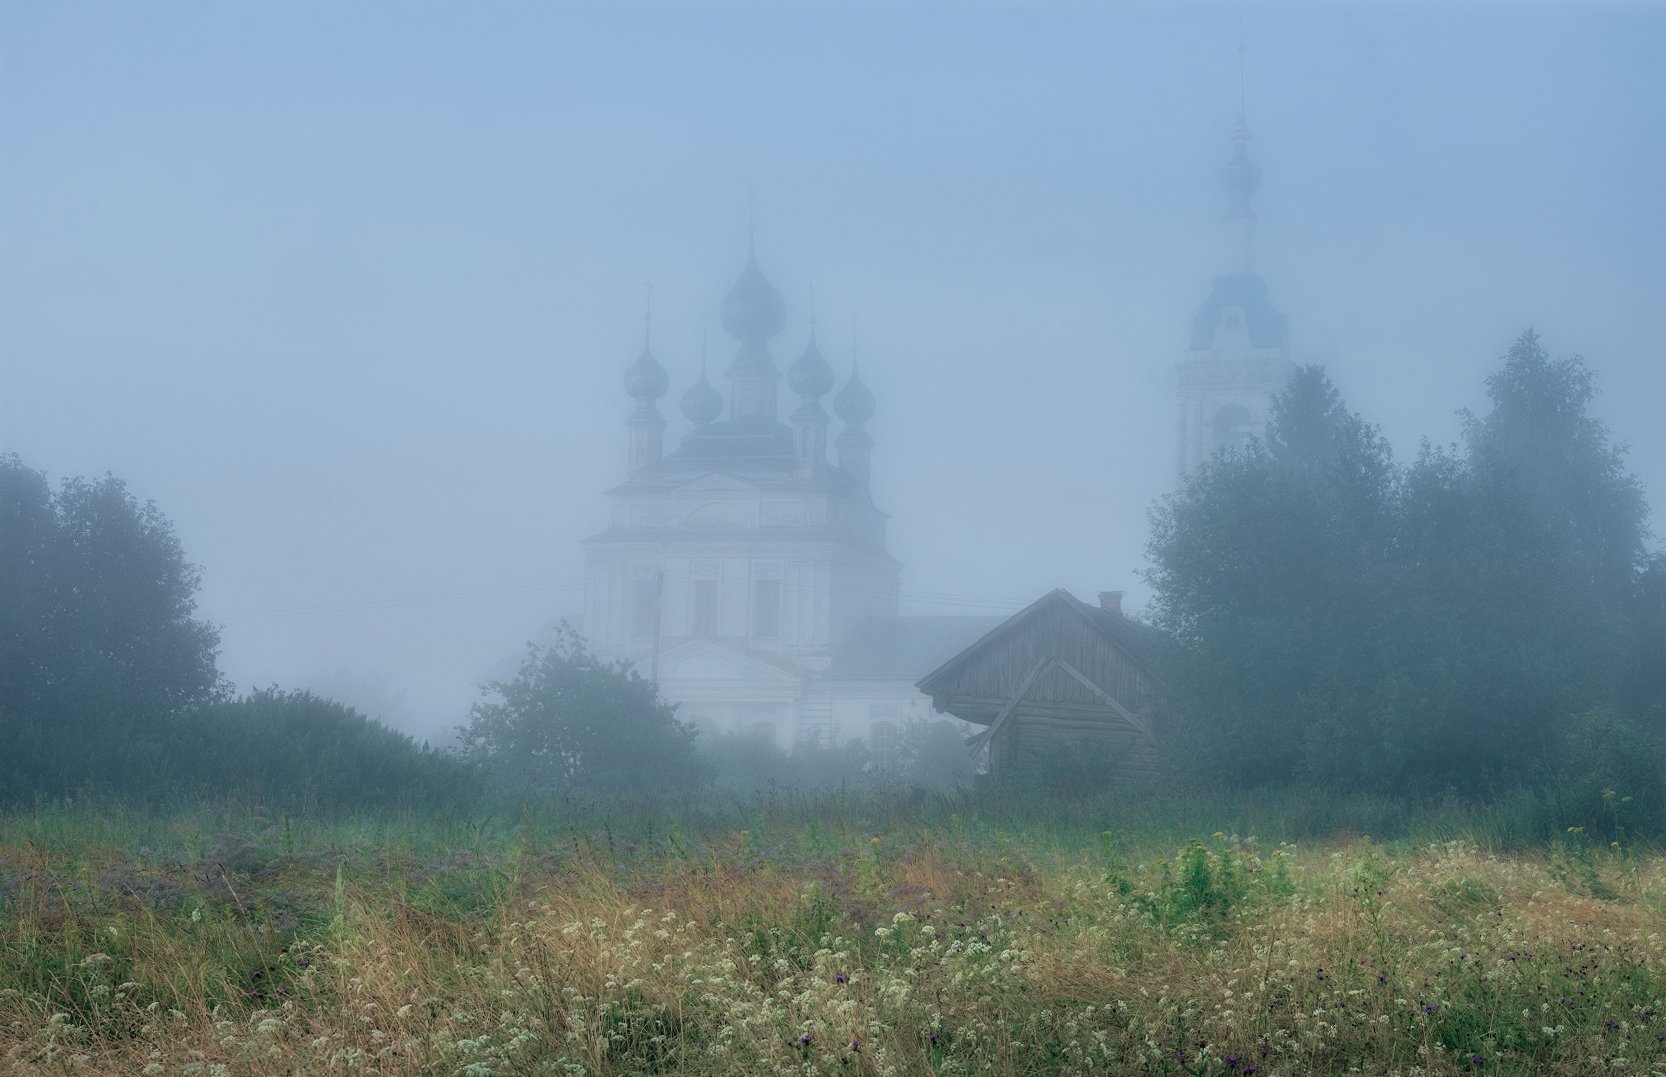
{"x":1488,"y":616}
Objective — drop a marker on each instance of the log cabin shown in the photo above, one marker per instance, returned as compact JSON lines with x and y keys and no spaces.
{"x":1060,"y":676}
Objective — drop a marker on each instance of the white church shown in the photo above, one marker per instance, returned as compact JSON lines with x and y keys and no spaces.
{"x":746,"y":569}
{"x":747,"y":572}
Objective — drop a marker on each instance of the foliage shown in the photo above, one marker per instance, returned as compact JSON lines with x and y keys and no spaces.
{"x":744,"y":762}
{"x":929,"y":755}
{"x":1434,"y":629}
{"x":826,"y":937}
{"x":1267,"y":566}
{"x":571,"y":721}
{"x":98,"y":646}
{"x":934,"y":755}
{"x":297,"y":751}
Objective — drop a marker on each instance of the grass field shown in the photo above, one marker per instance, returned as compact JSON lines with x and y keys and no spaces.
{"x":832,"y":934}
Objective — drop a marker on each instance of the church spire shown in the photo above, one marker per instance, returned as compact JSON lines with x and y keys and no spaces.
{"x":811,"y":378}
{"x":855,"y":406}
{"x":702,"y":404}
{"x":646,"y":382}
{"x":1241,"y":177}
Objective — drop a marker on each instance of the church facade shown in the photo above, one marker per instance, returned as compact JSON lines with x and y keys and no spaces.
{"x":745,"y":570}
{"x":1237,"y":360}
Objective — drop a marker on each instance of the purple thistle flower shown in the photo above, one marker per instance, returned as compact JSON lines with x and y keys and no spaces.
{"x":932,"y":1039}
{"x":1477,"y":1060}
{"x":804,"y":1040}
{"x":855,"y":1045}
{"x":1231,"y":1062}
{"x":840,"y":978}
{"x":1428,"y":1007}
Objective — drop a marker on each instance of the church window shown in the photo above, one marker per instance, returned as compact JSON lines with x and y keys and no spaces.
{"x":883,"y":739}
{"x":644,"y":606}
{"x":707,"y":613}
{"x":766,"y":609}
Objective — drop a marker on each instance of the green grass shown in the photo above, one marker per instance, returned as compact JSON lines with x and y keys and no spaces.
{"x":1280,"y":932}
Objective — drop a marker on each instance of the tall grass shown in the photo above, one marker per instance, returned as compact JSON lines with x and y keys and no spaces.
{"x":841,"y":932}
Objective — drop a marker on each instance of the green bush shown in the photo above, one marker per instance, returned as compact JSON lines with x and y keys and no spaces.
{"x":570,"y":721}
{"x":298,"y":750}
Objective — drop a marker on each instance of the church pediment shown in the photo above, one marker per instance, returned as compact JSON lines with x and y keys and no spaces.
{"x":717,"y":483}
{"x":704,"y":660}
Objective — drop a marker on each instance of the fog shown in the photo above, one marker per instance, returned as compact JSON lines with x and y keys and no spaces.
{"x":349,"y":290}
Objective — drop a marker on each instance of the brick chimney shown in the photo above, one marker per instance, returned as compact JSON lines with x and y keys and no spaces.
{"x":1111,"y":600}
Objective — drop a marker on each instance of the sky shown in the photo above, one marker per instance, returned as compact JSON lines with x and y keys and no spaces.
{"x":348,"y":290}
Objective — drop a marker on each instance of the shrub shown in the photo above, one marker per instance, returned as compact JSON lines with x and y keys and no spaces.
{"x":571,"y":721}
{"x":296,"y":749}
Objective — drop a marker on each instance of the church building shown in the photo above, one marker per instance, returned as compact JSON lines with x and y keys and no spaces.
{"x":1237,"y":361}
{"x":747,"y":572}
{"x":746,"y":569}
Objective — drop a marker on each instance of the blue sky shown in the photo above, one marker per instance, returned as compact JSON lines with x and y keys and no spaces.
{"x":348,"y":289}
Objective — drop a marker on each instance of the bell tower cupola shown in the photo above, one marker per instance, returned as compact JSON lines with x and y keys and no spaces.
{"x":1237,"y":360}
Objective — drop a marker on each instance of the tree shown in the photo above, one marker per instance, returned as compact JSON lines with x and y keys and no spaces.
{"x":299,"y":750}
{"x":570,"y":720}
{"x":1528,"y":559}
{"x":98,"y":645}
{"x":1269,"y":565}
{"x":1490,"y":617}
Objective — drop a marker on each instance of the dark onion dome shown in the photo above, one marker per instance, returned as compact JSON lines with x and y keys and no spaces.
{"x":855,"y":403}
{"x":753,"y":309}
{"x":1239,"y":175}
{"x":702,"y":404}
{"x":810,"y":376}
{"x":646,"y":379}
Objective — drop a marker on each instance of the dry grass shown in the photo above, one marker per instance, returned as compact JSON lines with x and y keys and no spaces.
{"x":853,"y":953}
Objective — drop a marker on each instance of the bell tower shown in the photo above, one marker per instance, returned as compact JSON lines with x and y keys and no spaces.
{"x":1237,"y":360}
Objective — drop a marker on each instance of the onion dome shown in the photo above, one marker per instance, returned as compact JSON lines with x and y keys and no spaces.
{"x":753,"y":309}
{"x":1239,"y":175}
{"x":702,"y":404}
{"x":646,"y":379}
{"x":810,"y":376}
{"x":855,"y":402}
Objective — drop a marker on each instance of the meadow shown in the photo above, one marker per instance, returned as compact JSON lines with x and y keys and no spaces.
{"x":832,"y":933}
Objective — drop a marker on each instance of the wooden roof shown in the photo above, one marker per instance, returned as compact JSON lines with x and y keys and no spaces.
{"x":1058,"y":669}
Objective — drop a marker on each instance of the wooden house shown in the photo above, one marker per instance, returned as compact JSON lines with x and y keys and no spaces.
{"x":1060,"y":676}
